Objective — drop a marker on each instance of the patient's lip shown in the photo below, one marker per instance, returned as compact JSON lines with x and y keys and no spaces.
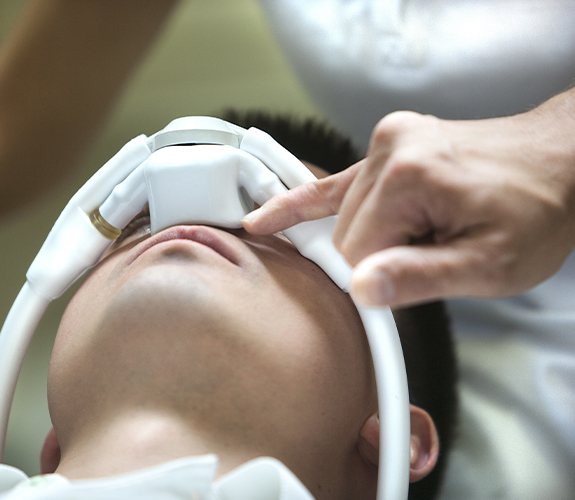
{"x":204,"y":235}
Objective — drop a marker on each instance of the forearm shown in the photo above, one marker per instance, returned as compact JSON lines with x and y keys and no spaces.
{"x":61,"y":68}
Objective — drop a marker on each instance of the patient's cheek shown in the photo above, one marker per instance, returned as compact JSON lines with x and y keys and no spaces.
{"x":87,"y":305}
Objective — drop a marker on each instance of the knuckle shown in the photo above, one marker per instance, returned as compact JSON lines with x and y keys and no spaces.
{"x":298,"y":206}
{"x":397,"y":121}
{"x":400,"y":119}
{"x":391,"y":124}
{"x":282,"y":209}
{"x":407,"y":164}
{"x":327,"y":192}
{"x":310,"y":193}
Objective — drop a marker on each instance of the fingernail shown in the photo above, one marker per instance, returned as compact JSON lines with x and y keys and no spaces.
{"x":252,"y":216}
{"x":372,"y":286}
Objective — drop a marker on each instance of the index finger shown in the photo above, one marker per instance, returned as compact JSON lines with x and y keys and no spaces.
{"x":306,"y":202}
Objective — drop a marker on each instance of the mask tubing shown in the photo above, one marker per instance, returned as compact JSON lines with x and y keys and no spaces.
{"x":285,"y":165}
{"x":393,"y":400}
{"x":15,"y":336}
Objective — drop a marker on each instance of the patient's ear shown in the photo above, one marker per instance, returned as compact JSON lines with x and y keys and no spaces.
{"x":424,"y":443}
{"x":368,"y":444}
{"x":50,"y":455}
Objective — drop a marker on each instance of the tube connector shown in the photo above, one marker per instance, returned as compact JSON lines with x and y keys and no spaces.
{"x":103,"y":226}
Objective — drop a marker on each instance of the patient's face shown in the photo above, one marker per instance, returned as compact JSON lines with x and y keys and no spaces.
{"x":237,"y":332}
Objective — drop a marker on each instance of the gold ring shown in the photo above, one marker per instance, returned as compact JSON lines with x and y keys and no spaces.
{"x":106,"y":229}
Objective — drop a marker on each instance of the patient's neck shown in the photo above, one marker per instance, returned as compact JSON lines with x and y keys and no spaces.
{"x":133,"y":409}
{"x":138,"y":439}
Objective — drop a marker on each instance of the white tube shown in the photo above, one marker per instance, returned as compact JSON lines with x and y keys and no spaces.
{"x":15,"y":336}
{"x":279,"y":160}
{"x":393,"y":399}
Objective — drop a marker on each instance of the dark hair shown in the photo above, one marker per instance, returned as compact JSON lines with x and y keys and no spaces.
{"x":424,"y":329}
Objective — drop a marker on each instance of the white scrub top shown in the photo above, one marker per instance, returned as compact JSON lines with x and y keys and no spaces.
{"x":182,"y":479}
{"x":449,"y":58}
{"x":465,"y":59}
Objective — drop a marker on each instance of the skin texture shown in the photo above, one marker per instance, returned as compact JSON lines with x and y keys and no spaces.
{"x":448,"y":208}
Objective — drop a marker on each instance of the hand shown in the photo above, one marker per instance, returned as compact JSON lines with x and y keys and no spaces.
{"x":446,"y":208}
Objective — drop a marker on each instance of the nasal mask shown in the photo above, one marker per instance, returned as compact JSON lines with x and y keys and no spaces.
{"x":200,"y":170}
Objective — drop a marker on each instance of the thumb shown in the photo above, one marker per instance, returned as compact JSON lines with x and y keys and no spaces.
{"x":309,"y":201}
{"x":405,"y":275}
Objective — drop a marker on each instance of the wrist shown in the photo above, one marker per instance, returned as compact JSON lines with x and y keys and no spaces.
{"x":553,"y":127}
{"x":555,"y":120}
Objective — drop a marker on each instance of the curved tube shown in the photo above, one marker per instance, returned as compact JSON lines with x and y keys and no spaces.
{"x":393,"y":400}
{"x":15,"y":337}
